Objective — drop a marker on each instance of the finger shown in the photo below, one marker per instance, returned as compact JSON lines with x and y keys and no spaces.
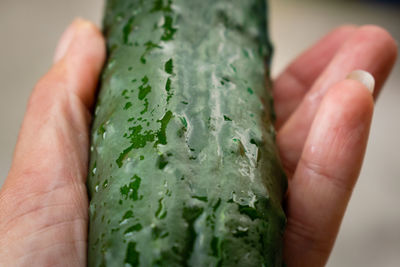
{"x":325,"y":176}
{"x":294,"y":82}
{"x":57,"y":117}
{"x":371,"y":49}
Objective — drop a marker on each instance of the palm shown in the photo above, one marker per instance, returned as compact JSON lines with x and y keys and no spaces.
{"x":43,"y":219}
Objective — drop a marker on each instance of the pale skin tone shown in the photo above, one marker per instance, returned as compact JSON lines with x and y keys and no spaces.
{"x":323,"y":122}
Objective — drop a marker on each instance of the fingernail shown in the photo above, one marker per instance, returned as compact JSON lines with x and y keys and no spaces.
{"x":363,"y":77}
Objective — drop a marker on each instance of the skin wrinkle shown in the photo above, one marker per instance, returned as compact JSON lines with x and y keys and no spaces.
{"x":308,"y":237}
{"x":30,"y":213}
{"x":64,"y":216}
{"x":319,"y":171}
{"x":20,"y":200}
{"x":76,"y":260}
{"x":39,"y":247}
{"x":57,"y":225}
{"x":354,"y":137}
{"x":20,"y":251}
{"x":307,"y":233}
{"x":51,"y":216}
{"x":312,"y":241}
{"x":40,"y":182}
{"x":35,"y":233}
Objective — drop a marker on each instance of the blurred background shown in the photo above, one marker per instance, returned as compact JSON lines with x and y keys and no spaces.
{"x":370,"y":234}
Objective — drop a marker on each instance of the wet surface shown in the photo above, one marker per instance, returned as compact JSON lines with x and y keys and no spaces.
{"x":365,"y":240}
{"x":181,"y":113}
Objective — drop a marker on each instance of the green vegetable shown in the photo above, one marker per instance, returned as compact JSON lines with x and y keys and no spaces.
{"x":184,"y":168}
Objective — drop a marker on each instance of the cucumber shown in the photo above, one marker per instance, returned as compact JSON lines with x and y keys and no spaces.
{"x":184,"y":169}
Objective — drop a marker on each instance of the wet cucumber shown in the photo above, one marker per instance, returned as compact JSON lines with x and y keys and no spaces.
{"x":184,"y":169}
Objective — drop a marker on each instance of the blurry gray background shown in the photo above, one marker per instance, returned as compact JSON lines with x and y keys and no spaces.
{"x":370,"y":234}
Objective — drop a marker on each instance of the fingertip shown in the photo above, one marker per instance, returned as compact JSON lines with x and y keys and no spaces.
{"x":64,"y":43}
{"x":79,"y":57}
{"x":383,"y":42}
{"x":346,"y":110}
{"x":78,"y":26}
{"x":376,"y":32}
{"x":348,"y":91}
{"x":363,"y":77}
{"x":88,"y":44}
{"x":83,"y":59}
{"x":350,"y":99}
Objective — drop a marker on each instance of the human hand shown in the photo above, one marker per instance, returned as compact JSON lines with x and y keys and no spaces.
{"x":323,"y":122}
{"x":43,"y":203}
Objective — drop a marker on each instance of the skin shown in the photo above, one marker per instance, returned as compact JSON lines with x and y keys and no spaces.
{"x":323,"y":123}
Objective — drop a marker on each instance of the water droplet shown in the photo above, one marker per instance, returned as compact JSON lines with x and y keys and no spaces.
{"x":240,"y":231}
{"x":94,"y":169}
{"x":201,"y":198}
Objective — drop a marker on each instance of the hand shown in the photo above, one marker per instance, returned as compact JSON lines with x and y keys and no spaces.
{"x":323,"y":121}
{"x":43,"y":203}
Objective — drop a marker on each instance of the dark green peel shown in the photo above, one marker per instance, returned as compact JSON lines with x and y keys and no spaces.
{"x":184,"y":169}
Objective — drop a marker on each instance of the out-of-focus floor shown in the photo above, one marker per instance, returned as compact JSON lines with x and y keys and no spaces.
{"x":370,"y":235}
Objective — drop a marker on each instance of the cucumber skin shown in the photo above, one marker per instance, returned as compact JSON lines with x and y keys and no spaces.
{"x":184,"y":168}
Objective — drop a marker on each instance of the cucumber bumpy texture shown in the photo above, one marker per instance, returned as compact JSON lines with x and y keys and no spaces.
{"x":184,"y":169}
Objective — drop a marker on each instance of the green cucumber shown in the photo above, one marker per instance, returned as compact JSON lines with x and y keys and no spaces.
{"x":184,"y":169}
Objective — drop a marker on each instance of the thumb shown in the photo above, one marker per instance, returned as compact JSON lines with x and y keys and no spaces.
{"x":54,"y":135}
{"x":43,"y":202}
